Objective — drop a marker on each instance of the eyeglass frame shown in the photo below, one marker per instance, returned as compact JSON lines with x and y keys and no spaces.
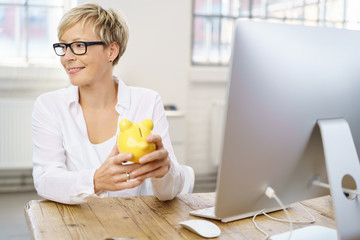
{"x":68,"y":45}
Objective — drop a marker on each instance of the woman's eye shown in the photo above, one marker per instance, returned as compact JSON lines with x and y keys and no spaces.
{"x":80,"y":45}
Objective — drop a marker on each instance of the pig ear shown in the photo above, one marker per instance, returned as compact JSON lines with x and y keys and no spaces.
{"x":125,"y":124}
{"x":148,"y":123}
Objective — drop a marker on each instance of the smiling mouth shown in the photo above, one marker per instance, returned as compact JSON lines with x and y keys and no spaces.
{"x":75,"y":70}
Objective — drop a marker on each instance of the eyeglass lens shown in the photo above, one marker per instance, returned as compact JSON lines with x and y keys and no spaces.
{"x":78,"y":48}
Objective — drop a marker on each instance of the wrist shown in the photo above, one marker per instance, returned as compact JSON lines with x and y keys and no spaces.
{"x":97,"y":187}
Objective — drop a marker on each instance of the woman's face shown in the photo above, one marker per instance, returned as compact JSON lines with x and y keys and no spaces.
{"x":94,"y":65}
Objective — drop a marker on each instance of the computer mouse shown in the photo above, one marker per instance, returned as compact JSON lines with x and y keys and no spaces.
{"x":204,"y":228}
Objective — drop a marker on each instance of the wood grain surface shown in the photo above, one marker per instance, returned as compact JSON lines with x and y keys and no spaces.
{"x":146,"y":217}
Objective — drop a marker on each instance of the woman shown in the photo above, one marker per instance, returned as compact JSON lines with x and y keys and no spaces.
{"x":74,"y":129}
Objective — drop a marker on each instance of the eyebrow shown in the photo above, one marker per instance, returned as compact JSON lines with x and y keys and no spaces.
{"x":74,"y":40}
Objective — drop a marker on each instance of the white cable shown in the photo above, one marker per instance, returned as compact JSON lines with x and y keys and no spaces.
{"x":326,"y":185}
{"x":285,"y":220}
{"x":287,"y":214}
{"x":258,"y":228}
{"x":270,"y":193}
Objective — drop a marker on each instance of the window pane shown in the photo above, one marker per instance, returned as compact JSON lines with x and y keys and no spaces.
{"x":352,"y":14}
{"x":334,"y":10}
{"x":276,"y":9}
{"x":258,"y":8}
{"x":57,"y":3}
{"x":230,"y":8}
{"x":13,"y":1}
{"x":227,"y":25}
{"x":12,"y":31}
{"x":207,"y":7}
{"x":206,"y":40}
{"x":199,"y":40}
{"x":295,"y":10}
{"x":42,"y":31}
{"x":244,"y":8}
{"x":311,"y":12}
{"x":352,"y":11}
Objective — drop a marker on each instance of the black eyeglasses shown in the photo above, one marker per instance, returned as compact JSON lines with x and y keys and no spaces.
{"x":78,"y":47}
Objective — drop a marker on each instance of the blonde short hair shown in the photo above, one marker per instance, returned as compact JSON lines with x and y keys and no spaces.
{"x":107,"y":24}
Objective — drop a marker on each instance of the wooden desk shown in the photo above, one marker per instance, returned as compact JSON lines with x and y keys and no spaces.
{"x":148,"y":218}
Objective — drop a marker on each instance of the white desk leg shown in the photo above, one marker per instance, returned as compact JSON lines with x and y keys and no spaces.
{"x":341,"y":159}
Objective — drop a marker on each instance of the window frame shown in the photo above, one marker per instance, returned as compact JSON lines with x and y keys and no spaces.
{"x":27,"y":61}
{"x":321,"y":20}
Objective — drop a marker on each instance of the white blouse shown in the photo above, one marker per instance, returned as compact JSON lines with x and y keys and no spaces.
{"x":64,"y":159}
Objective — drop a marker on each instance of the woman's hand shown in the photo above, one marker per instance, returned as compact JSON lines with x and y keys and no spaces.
{"x":113,"y":176}
{"x":155,"y":164}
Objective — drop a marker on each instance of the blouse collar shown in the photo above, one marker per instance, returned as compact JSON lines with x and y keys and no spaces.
{"x":123,"y":95}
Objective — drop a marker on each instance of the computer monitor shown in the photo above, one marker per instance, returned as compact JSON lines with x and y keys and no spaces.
{"x":283,"y":80}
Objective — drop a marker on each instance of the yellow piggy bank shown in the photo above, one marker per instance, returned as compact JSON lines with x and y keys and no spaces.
{"x":131,"y":138}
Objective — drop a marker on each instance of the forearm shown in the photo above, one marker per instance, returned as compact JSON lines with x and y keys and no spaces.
{"x":63,"y":186}
{"x":169,"y":186}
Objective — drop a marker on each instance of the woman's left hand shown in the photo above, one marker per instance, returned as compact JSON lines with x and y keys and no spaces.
{"x":155,"y":164}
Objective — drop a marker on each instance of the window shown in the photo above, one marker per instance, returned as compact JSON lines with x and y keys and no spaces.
{"x":27,"y":30}
{"x":213,"y":21}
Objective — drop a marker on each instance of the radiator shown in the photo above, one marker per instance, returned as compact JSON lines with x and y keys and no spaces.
{"x":217,"y":124}
{"x":15,"y":133}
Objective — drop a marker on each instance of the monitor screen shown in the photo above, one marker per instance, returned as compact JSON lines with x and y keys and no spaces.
{"x":283,"y":79}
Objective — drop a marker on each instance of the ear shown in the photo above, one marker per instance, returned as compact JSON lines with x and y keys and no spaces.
{"x":125,"y":124}
{"x":113,"y":50}
{"x":148,"y":123}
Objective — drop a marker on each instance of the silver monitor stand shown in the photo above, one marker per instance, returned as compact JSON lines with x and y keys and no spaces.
{"x":342,"y":160}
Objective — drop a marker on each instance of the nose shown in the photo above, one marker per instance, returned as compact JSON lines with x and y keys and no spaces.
{"x":69,"y":55}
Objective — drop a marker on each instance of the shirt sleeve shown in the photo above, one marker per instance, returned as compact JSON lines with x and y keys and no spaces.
{"x":170,"y":185}
{"x":52,"y":179}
